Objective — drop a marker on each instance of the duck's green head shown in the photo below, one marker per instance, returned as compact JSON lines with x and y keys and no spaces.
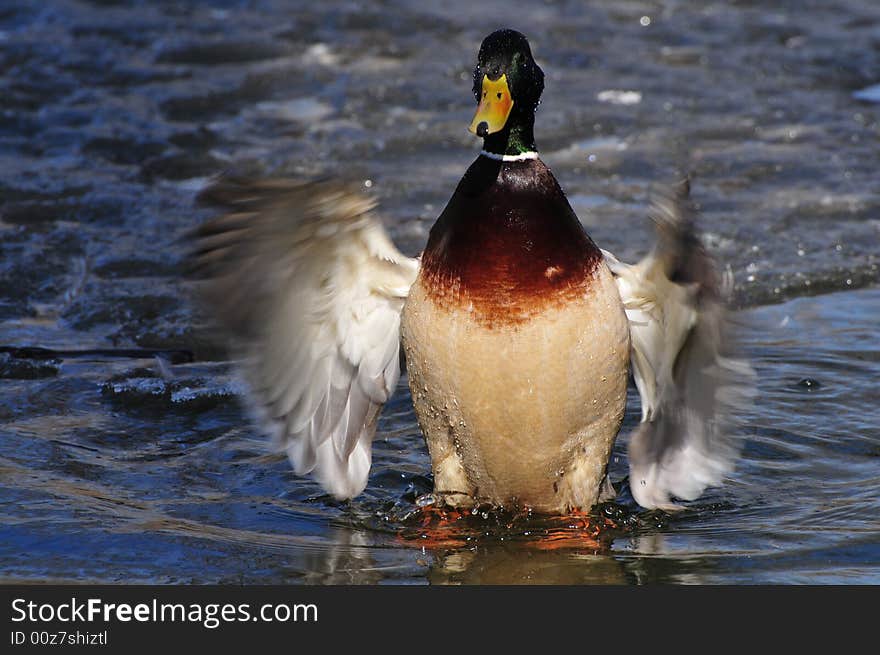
{"x":507,"y":85}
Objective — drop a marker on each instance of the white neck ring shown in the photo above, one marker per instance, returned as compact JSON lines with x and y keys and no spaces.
{"x":523,"y":156}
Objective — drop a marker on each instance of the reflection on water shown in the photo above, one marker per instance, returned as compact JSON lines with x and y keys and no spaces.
{"x":502,"y":565}
{"x":112,"y":117}
{"x":131,"y":481}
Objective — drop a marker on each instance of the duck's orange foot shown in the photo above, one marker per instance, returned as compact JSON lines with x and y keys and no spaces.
{"x":440,"y":516}
{"x":576,"y":530}
{"x":435,"y":526}
{"x":438,"y":526}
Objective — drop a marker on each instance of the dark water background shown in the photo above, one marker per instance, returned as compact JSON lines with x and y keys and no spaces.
{"x":114,"y":114}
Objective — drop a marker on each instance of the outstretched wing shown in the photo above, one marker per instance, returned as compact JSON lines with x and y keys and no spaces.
{"x":309,"y":288}
{"x":689,"y":383}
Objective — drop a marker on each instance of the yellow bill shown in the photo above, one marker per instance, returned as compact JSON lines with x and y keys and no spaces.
{"x":494,"y":108}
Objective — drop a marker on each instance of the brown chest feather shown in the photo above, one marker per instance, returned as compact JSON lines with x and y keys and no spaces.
{"x":508,"y":245}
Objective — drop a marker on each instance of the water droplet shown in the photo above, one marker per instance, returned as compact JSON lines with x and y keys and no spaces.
{"x":425,"y":500}
{"x":644,"y":21}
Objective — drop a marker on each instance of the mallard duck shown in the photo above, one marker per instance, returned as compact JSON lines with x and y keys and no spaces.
{"x":518,"y":331}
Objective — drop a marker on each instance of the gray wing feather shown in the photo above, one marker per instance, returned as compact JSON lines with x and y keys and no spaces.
{"x":309,"y":289}
{"x":690,"y":383}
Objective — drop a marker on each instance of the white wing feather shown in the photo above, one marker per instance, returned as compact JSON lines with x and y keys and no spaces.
{"x":310,"y":289}
{"x":690,"y":387}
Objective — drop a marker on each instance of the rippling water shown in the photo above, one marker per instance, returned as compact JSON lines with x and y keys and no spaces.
{"x":112,"y":473}
{"x":112,"y":116}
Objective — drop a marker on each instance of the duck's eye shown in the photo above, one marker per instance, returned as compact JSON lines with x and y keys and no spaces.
{"x":484,"y":93}
{"x":499,"y":95}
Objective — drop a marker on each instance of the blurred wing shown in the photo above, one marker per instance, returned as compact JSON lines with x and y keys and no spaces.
{"x":689,"y":384}
{"x":309,"y":288}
